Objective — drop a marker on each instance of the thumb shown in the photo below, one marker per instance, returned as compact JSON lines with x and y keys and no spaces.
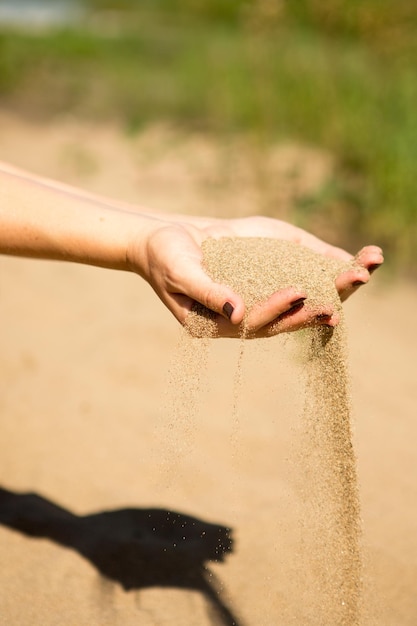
{"x":197,"y":286}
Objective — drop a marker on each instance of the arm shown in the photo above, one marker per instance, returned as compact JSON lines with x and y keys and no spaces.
{"x":45,"y":219}
{"x":41,"y":219}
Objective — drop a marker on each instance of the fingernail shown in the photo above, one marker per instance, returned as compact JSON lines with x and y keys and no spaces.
{"x":374,"y":267}
{"x":357,"y":283}
{"x":297,"y":305}
{"x":297,"y":302}
{"x":324,"y":316}
{"x":228,"y":310}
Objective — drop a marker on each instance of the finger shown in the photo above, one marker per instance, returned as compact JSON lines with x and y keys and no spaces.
{"x":295,"y":321}
{"x":196,"y":286}
{"x":290,"y":302}
{"x":304,"y":318}
{"x":180,"y":306}
{"x":348,"y":282}
{"x":370,"y":257}
{"x":366,"y":262}
{"x":278,"y":304}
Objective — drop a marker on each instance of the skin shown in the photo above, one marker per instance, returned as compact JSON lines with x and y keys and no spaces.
{"x":40,"y":218}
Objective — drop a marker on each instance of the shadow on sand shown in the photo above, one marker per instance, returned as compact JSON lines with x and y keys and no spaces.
{"x":137,"y":548}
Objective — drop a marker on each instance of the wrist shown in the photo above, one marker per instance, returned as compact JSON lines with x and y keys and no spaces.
{"x":140,"y":231}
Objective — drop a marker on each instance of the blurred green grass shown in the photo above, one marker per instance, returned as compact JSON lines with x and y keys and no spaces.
{"x":340,"y":77}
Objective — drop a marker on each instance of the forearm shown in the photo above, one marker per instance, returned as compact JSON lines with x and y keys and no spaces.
{"x":113,"y":203}
{"x":44,"y":219}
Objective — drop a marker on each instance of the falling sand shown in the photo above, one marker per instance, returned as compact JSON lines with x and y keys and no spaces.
{"x":328,"y":561}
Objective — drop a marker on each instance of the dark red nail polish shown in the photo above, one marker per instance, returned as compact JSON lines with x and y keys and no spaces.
{"x":297,"y":305}
{"x":297,"y":302}
{"x":374,"y":267}
{"x":228,"y":309}
{"x":324,"y":316}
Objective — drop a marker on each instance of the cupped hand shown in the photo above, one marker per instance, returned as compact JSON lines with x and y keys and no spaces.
{"x":172,"y":264}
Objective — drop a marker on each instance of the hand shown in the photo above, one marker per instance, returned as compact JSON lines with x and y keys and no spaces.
{"x":172,"y":266}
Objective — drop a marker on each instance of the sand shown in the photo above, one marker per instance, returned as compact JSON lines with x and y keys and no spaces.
{"x":83,"y":367}
{"x":329,"y":555}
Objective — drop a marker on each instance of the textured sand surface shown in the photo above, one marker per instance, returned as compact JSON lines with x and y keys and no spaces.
{"x":86,"y":430}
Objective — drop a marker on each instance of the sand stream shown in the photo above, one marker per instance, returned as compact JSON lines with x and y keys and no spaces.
{"x":328,"y":556}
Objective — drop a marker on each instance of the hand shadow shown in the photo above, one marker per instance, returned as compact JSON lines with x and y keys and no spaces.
{"x":137,"y":548}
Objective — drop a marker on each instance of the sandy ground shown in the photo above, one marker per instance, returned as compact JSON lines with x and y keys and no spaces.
{"x":126,"y":509}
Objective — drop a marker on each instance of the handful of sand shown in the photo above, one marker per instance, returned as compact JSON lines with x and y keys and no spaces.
{"x":257,"y":267}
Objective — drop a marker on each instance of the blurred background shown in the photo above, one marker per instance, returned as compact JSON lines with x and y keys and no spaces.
{"x":333,"y":82}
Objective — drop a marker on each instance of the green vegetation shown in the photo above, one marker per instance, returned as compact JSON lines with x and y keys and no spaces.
{"x":340,"y":77}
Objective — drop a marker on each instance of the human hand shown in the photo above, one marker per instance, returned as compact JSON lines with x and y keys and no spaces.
{"x":172,"y":266}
